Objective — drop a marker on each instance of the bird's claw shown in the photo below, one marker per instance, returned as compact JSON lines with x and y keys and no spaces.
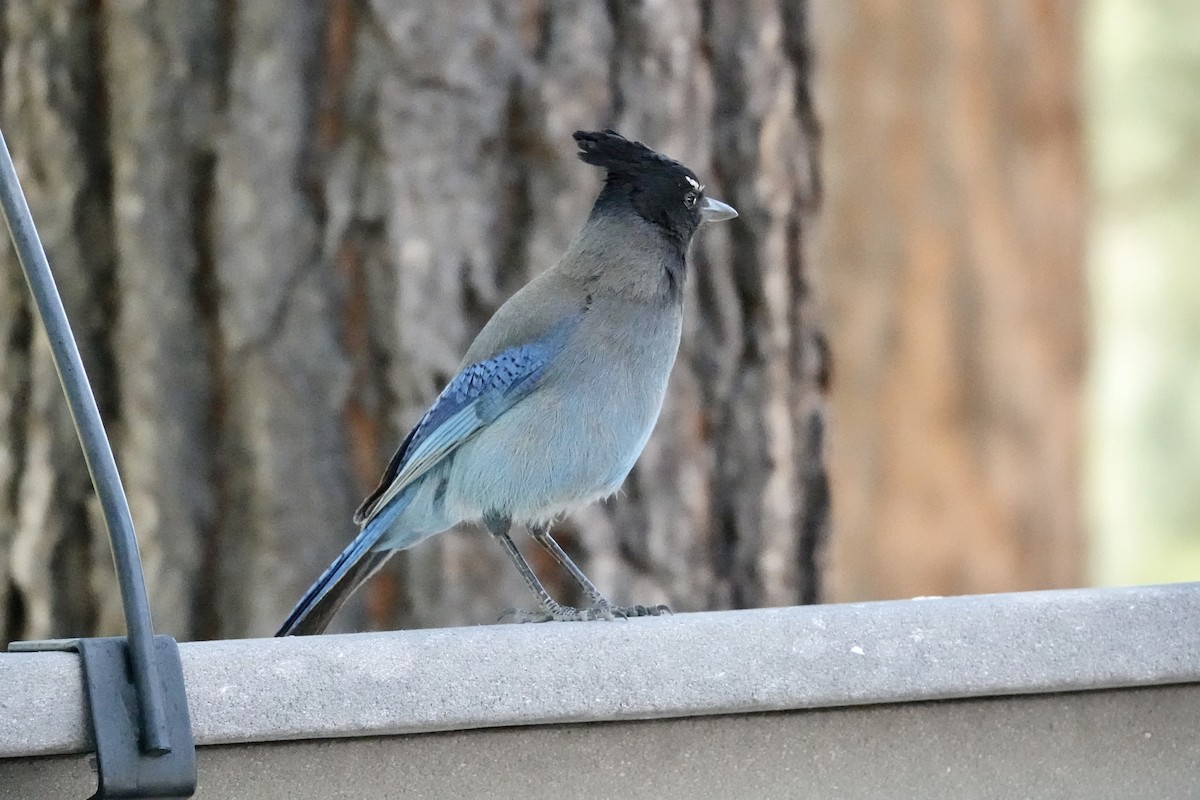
{"x":646,"y":611}
{"x":600,"y":610}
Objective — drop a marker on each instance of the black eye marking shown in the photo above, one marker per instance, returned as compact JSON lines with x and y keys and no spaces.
{"x":690,"y":199}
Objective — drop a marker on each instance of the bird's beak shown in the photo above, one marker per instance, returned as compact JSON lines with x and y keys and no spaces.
{"x":714,"y":210}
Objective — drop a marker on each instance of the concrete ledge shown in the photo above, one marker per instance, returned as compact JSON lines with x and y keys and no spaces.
{"x":1104,"y":745}
{"x":688,"y":665}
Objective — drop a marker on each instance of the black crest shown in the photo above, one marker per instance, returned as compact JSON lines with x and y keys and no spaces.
{"x":655,"y":186}
{"x":623,"y":158}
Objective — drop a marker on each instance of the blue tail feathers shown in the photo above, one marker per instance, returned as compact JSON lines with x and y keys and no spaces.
{"x":358,"y":562}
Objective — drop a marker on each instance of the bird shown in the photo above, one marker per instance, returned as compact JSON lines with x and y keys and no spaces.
{"x":555,"y":398}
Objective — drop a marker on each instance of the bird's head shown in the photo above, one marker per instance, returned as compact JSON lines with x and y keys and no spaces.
{"x":660,"y":189}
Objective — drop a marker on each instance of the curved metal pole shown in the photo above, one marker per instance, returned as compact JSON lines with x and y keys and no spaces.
{"x":96,"y":451}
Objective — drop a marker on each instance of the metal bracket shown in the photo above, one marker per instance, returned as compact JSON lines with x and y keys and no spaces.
{"x":125,"y":768}
{"x":144,"y":744}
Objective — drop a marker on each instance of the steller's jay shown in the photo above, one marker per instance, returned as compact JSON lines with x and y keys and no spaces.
{"x":555,"y":398}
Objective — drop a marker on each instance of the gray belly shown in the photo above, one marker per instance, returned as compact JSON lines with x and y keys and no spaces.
{"x":575,"y":438}
{"x":544,"y":458}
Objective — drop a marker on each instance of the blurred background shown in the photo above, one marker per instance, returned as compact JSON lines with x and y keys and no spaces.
{"x":950,"y":346}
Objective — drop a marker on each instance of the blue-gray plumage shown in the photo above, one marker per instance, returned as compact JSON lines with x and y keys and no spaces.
{"x":556,"y":397}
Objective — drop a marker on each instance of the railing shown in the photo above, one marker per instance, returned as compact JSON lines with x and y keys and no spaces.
{"x":1070,"y":694}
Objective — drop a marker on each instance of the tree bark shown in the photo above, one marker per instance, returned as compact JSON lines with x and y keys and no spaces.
{"x":277,"y":229}
{"x":52,"y":97}
{"x":951,"y":249}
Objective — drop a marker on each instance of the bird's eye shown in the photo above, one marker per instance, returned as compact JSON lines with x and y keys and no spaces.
{"x":690,"y":199}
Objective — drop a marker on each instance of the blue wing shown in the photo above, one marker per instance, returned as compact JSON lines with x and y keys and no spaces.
{"x":475,"y":398}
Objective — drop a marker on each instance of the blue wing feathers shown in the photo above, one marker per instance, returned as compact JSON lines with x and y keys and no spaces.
{"x":389,"y":475}
{"x":491,"y":384}
{"x":496,"y":377}
{"x":486,"y":389}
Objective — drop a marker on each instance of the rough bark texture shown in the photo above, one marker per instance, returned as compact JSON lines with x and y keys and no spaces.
{"x":55,"y":570}
{"x":951,"y":251}
{"x":276,"y":228}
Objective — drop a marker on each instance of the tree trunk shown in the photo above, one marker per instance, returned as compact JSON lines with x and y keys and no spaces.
{"x":951,"y":245}
{"x":55,"y":582}
{"x":276,"y":229}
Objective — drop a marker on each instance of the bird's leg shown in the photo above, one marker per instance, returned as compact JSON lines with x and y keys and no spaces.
{"x":541,"y":535}
{"x":601,"y":607}
{"x":498,"y":526}
{"x":550,"y":609}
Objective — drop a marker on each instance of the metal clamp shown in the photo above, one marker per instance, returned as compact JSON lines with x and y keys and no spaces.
{"x":124,"y":768}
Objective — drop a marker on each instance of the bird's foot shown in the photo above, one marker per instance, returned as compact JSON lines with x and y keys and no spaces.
{"x":602,"y":609}
{"x":645,"y":611}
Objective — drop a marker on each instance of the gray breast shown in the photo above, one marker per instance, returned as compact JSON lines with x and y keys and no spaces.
{"x":575,"y":438}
